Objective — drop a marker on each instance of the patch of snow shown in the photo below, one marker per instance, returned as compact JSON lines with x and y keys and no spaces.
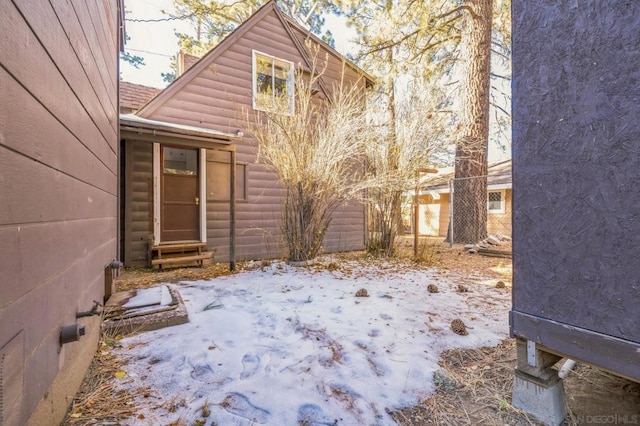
{"x":295,"y":346}
{"x":150,"y":296}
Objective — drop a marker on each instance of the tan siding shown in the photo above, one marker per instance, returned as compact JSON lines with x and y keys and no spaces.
{"x":496,"y":223}
{"x":58,"y":186}
{"x":444,"y":214}
{"x":501,"y":223}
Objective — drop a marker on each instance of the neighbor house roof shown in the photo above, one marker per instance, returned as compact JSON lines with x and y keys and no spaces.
{"x":133,"y":96}
{"x":498,"y":177}
{"x":289,"y":25}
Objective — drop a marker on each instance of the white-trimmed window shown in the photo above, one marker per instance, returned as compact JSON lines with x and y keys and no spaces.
{"x":496,"y":201}
{"x":272,"y":82}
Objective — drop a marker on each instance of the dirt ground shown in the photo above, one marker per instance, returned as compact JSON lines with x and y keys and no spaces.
{"x":473,"y":386}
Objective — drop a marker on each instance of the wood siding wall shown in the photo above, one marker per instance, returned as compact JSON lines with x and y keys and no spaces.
{"x":219,"y":98}
{"x":138,"y":193}
{"x":58,"y":192}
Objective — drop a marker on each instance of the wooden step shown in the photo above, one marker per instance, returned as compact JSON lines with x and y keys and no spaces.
{"x":178,"y":252}
{"x":183,"y":259}
{"x":181,"y":247}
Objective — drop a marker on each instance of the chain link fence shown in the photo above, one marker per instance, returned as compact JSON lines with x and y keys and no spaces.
{"x":463,"y":210}
{"x":479,"y":207}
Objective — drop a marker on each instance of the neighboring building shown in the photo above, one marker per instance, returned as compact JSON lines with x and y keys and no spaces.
{"x":58,"y":196}
{"x":180,"y":148}
{"x":133,"y":96}
{"x":435,"y":200}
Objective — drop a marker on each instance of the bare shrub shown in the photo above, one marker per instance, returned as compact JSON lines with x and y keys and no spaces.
{"x":406,"y":136}
{"x":315,"y":152}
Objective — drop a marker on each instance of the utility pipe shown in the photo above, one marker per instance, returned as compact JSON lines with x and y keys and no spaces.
{"x":566,"y":367}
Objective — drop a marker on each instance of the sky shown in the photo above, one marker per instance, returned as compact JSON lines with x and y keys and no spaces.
{"x":283,"y":345}
{"x":156,"y":41}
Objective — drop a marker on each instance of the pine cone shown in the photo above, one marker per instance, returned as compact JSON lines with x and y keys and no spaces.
{"x":458,"y":327}
{"x":362,"y":293}
{"x":463,"y":288}
{"x":432,"y":288}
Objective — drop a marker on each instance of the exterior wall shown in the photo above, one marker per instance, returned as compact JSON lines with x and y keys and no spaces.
{"x":445,"y":201}
{"x":576,"y":159}
{"x":138,"y":193}
{"x":496,"y":223}
{"x":333,"y":64}
{"x":500,"y":223}
{"x":219,"y":98}
{"x":58,"y":186}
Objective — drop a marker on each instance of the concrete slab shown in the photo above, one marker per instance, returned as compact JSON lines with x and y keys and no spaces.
{"x":135,"y":311}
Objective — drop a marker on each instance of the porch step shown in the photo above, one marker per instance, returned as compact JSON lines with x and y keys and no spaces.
{"x":183,"y":259}
{"x":178,"y":253}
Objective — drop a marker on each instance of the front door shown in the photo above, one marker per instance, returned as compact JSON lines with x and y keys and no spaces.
{"x":180,"y":210}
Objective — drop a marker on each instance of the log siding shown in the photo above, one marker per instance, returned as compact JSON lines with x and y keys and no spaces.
{"x":216,"y":93}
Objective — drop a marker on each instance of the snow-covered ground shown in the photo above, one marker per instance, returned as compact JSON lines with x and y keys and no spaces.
{"x":281,"y":345}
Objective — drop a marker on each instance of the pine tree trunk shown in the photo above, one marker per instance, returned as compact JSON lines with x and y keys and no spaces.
{"x":470,"y":187}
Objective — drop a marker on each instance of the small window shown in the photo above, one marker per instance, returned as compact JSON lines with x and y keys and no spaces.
{"x":496,"y":202}
{"x":218,"y":188}
{"x":178,"y":161}
{"x":272,"y":82}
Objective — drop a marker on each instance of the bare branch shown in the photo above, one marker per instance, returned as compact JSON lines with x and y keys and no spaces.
{"x":456,"y":10}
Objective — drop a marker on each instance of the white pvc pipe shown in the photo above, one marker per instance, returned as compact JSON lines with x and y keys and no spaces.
{"x":566,"y":367}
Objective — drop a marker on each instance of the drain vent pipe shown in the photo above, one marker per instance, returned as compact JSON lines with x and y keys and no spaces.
{"x":566,"y":367}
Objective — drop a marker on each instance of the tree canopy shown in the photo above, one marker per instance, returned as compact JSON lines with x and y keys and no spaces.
{"x":214,"y":20}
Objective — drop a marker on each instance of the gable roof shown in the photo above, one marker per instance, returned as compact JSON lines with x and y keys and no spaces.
{"x":213,"y":54}
{"x":498,"y":177}
{"x":133,"y":96}
{"x":309,"y":35}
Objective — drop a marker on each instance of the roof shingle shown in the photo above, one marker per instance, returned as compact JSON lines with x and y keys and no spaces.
{"x":133,"y":96}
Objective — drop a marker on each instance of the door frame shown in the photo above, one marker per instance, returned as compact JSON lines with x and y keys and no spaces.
{"x":202,"y":182}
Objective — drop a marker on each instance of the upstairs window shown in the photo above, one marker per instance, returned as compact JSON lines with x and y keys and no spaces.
{"x":272,"y":83}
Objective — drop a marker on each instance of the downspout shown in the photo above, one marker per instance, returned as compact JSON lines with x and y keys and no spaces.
{"x":119,"y":195}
